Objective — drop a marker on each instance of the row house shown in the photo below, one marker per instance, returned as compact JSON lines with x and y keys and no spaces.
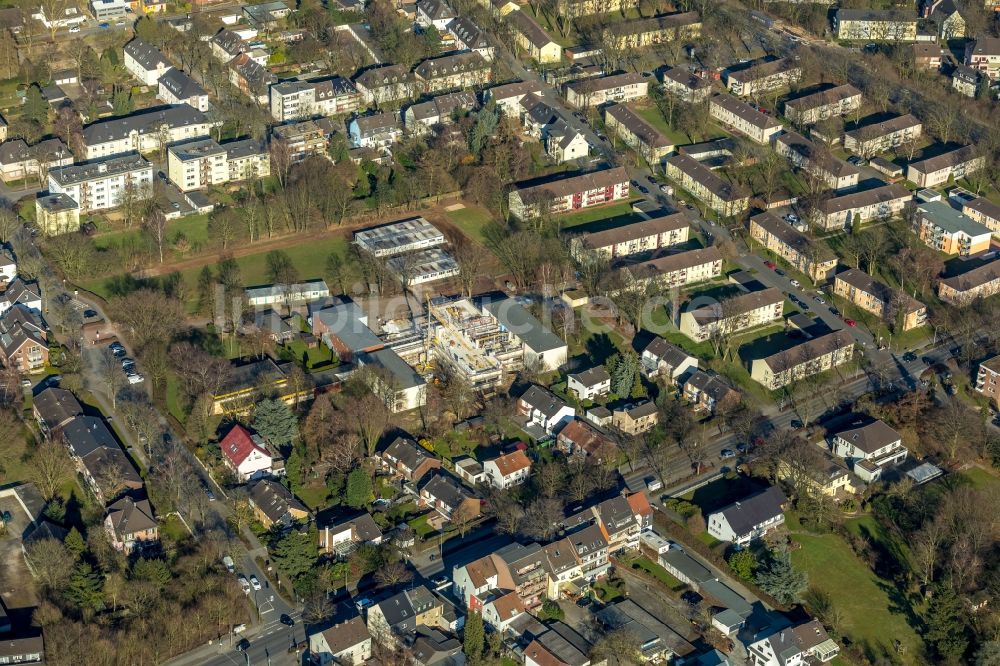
{"x":532,"y":39}
{"x":732,"y":315}
{"x":622,"y":519}
{"x":725,"y":198}
{"x":744,"y":119}
{"x":459,"y":71}
{"x":226,"y":45}
{"x":660,"y":358}
{"x":145,"y":62}
{"x":878,"y":25}
{"x":303,"y":139}
{"x":985,"y":212}
{"x":386,"y":85}
{"x":808,"y":256}
{"x":539,"y":406}
{"x":945,"y":229}
{"x":954,"y":164}
{"x":803,"y":360}
{"x":764,"y":77}
{"x":329,"y":96}
{"x":686,"y":85}
{"x":749,"y":519}
{"x":873,"y":296}
{"x":470,"y":37}
{"x":650,"y":235}
{"x":966,"y":287}
{"x":19,"y":161}
{"x":421,"y":118}
{"x":508,"y":96}
{"x":401,"y":614}
{"x":817,"y":161}
{"x":53,"y":408}
{"x":250,"y":77}
{"x":645,"y":32}
{"x":177,"y":87}
{"x":565,"y":195}
{"x":145,"y":132}
{"x":886,"y":135}
{"x":101,"y":185}
{"x":603,"y":89}
{"x":637,"y":133}
{"x":708,"y":392}
{"x":987,"y":380}
{"x":870,"y":449}
{"x":676,"y":270}
{"x":984,"y":54}
{"x":878,"y":203}
{"x":829,"y":103}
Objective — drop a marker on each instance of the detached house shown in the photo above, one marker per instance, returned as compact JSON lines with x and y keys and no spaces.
{"x":23,"y":340}
{"x":176,"y":87}
{"x":509,"y":470}
{"x":378,"y":131}
{"x":401,"y":614}
{"x":407,"y":459}
{"x":870,"y":449}
{"x":274,"y":504}
{"x":749,"y":519}
{"x":131,"y":525}
{"x":581,"y":439}
{"x":541,"y":407}
{"x":707,"y":391}
{"x":435,"y":13}
{"x":145,"y":62}
{"x":590,"y":384}
{"x":342,"y":535}
{"x":247,"y":454}
{"x":795,"y":646}
{"x":635,"y":419}
{"x":346,"y":643}
{"x":664,"y":359}
{"x":449,"y":499}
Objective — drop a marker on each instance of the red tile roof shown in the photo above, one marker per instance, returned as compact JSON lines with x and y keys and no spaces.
{"x":640,"y":504}
{"x":237,"y":445}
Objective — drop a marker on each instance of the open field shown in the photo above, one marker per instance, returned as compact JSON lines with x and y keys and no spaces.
{"x":472,"y":220}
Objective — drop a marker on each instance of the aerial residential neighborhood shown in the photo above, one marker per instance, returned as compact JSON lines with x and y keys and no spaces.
{"x":500,"y":333}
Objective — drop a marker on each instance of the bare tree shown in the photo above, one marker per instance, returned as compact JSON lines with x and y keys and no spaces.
{"x":50,"y":468}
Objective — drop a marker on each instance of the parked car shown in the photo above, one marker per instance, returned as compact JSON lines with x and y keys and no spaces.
{"x":771,"y":265}
{"x":850,"y":322}
{"x":127,"y":362}
{"x":244,"y":583}
{"x":643,"y":190}
{"x":363,"y":603}
{"x":909,"y":357}
{"x":440,"y":581}
{"x":666,"y":189}
{"x":779,"y":272}
{"x":795,"y":283}
{"x":243,"y":645}
{"x":834,"y":311}
{"x":819,"y":299}
{"x":26,"y":383}
{"x":725,"y":454}
{"x":651,"y":180}
{"x":136,"y":379}
{"x":229,"y":564}
{"x":796,"y":424}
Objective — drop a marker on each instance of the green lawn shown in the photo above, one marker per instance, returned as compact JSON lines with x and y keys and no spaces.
{"x":471,"y":220}
{"x":611,"y":215}
{"x":421,"y":528}
{"x":194,"y":228}
{"x":862,"y":598}
{"x":657,"y":572}
{"x":651,"y":114}
{"x":720,"y":493}
{"x":318,"y":358}
{"x":980,"y":477}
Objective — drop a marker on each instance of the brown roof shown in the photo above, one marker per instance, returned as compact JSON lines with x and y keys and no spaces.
{"x":448,"y":65}
{"x":586,"y":182}
{"x":676,"y":262}
{"x":983,"y":206}
{"x":540,"y":655}
{"x":583,"y":435}
{"x":974,"y":278}
{"x":345,"y":635}
{"x":639,"y":504}
{"x":512,"y":462}
{"x":866,"y":283}
{"x":687,"y":78}
{"x":808,"y":350}
{"x":638,"y":125}
{"x":738,"y":305}
{"x":883,"y":128}
{"x":746,"y":112}
{"x":992,"y":364}
{"x":985,"y":46}
{"x":763,"y":69}
{"x":715,"y":183}
{"x":529,"y":27}
{"x":823,"y":97}
{"x":654,"y":23}
{"x":643,"y":229}
{"x":871,"y":437}
{"x":561,"y":555}
{"x":923,"y":50}
{"x":605,"y":82}
{"x":882,"y":194}
{"x":821,"y":158}
{"x":950,"y":159}
{"x":509,"y":606}
{"x":481,"y":570}
{"x":792,"y":237}
{"x":515,"y":89}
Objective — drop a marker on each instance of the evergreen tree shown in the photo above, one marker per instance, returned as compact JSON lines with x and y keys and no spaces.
{"x":743,"y":563}
{"x":86,"y":588}
{"x":35,"y":109}
{"x":624,"y":375}
{"x":153,"y":571}
{"x":359,"y":488}
{"x":474,"y":639}
{"x":947,"y":631}
{"x":294,"y":551}
{"x":781,"y":580}
{"x":274,"y":421}
{"x":75,"y":543}
{"x":206,"y":289}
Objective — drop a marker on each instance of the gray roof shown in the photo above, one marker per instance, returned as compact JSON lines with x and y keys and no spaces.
{"x":689,"y":567}
{"x":649,"y":630}
{"x":543,"y":400}
{"x":516,"y":319}
{"x":180,"y":84}
{"x":57,"y":202}
{"x":56,"y":406}
{"x":434,"y":68}
{"x":146,"y":54}
{"x":241,"y":148}
{"x":566,"y":644}
{"x":345,"y":323}
{"x":86,"y":434}
{"x":667,"y":352}
{"x":468,"y":32}
{"x":363,"y":525}
{"x":275,"y":501}
{"x":447,"y":489}
{"x":726,"y":597}
{"x":710,"y":384}
{"x":751,"y":511}
{"x":17,"y":150}
{"x":592,"y":376}
{"x":588,"y":540}
{"x":435,"y":10}
{"x":80,"y":173}
{"x":950,"y":159}
{"x":376,"y":123}
{"x":406,"y":451}
{"x":196,"y":149}
{"x":128,"y":516}
{"x":404,"y":376}
{"x":325,"y":88}
{"x":229,"y":41}
{"x":529,"y":28}
{"x":143,"y":123}
{"x":870,"y":437}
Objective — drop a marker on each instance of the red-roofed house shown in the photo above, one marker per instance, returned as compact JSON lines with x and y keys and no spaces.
{"x":508,"y":470}
{"x":246,"y":454}
{"x":641,"y":509}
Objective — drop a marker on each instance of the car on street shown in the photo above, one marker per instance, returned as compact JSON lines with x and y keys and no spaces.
{"x":834,"y":311}
{"x":103,"y":26}
{"x":771,"y":265}
{"x":89,"y":314}
{"x":651,"y":180}
{"x":909,"y":357}
{"x":286,"y":620}
{"x":779,"y":272}
{"x":254,"y":583}
{"x":796,"y":424}
{"x":725,"y":454}
{"x":850,"y":322}
{"x":136,"y":379}
{"x":795,"y":283}
{"x":363,"y":603}
{"x":819,"y":299}
{"x":75,"y":28}
{"x":440,"y":580}
{"x":643,"y":190}
{"x":26,"y":383}
{"x":634,"y":183}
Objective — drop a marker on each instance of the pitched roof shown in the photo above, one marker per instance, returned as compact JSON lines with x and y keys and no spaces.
{"x":639,"y":126}
{"x":406,"y":451}
{"x":592,"y":376}
{"x":129,"y":516}
{"x":508,"y":606}
{"x":180,"y":85}
{"x":950,"y":159}
{"x":761,"y":70}
{"x":542,"y":400}
{"x":229,"y":41}
{"x":599,"y":83}
{"x":56,"y":406}
{"x":808,"y":350}
{"x":516,"y":319}
{"x":675,"y":262}
{"x":86,"y":434}
{"x":239,"y":443}
{"x":686,"y":78}
{"x":823,"y":98}
{"x":876,"y":195}
{"x":363,"y":527}
{"x":147,"y":55}
{"x":655,"y":23}
{"x":667,"y":352}
{"x":512,"y":462}
{"x":434,"y":68}
{"x":20,"y":326}
{"x":817,"y":155}
{"x":561,"y":556}
{"x":894,"y":15}
{"x":985,"y":46}
{"x":637,"y":411}
{"x":471,"y":35}
{"x":641,"y":229}
{"x":529,"y":27}
{"x":870,"y":437}
{"x":751,"y":511}
{"x":275,"y":501}
{"x":984,"y":207}
{"x":435,"y":10}
{"x":738,"y":305}
{"x":384,"y":76}
{"x":745,"y":112}
{"x":711,"y":384}
{"x":376,"y":123}
{"x":446,"y":489}
{"x":875,"y":130}
{"x":143,"y":123}
{"x":710,"y":180}
{"x":793,"y":238}
{"x":866,"y":283}
{"x":562,"y":187}
{"x":345,"y":635}
{"x":517,"y":89}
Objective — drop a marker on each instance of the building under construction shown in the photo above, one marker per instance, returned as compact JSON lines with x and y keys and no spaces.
{"x":473,"y":343}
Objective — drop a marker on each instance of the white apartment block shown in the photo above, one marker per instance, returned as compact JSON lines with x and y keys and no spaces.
{"x":203,"y":163}
{"x":332,"y":96}
{"x":744,"y":119}
{"x":601,"y":90}
{"x":810,"y":109}
{"x":677,"y":270}
{"x":637,"y":238}
{"x":568,"y":194}
{"x":145,"y":62}
{"x":762,"y":78}
{"x":955,"y":164}
{"x":877,"y":203}
{"x":817,"y":160}
{"x":811,"y":257}
{"x":880,"y":137}
{"x":732,"y":315}
{"x":803,"y":360}
{"x":99,"y":186}
{"x":145,"y":132}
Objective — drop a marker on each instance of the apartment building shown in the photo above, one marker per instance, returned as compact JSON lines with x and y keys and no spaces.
{"x":564,"y":195}
{"x":458,"y":71}
{"x":385,"y":85}
{"x":720,"y":195}
{"x":250,"y":77}
{"x":435,"y":13}
{"x":686,"y":85}
{"x":944,"y":229}
{"x":508,"y":97}
{"x":985,"y":212}
{"x":814,"y":259}
{"x":983,"y":54}
{"x":636,"y":133}
{"x":927,"y":56}
{"x":565,"y":144}
{"x":532,"y":39}
{"x":247,"y":159}
{"x":176,"y":87}
{"x":645,"y":32}
{"x":19,"y":161}
{"x":637,"y":238}
{"x":988,"y":380}
{"x":576,"y":8}
{"x":145,"y":62}
{"x":469,"y":37}
{"x":817,"y":161}
{"x":302,"y":139}
{"x":676,"y":270}
{"x":880,"y":137}
{"x":57,"y":214}
{"x":980,"y":282}
{"x":878,"y":203}
{"x":145,"y":131}
{"x":744,"y":119}
{"x":829,"y":103}
{"x":732,"y":315}
{"x":599,"y":90}
{"x":329,"y":96}
{"x":877,"y":25}
{"x":870,"y":448}
{"x":955,"y":164}
{"x":803,"y":360}
{"x":100,"y":185}
{"x":966,"y":81}
{"x":893,"y":306}
{"x":197,"y":164}
{"x":763,"y":77}
{"x":421,"y":118}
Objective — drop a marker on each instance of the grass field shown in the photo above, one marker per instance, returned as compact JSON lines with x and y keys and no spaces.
{"x":471,"y":220}
{"x":980,"y":478}
{"x":621,"y":213}
{"x":194,"y":228}
{"x":657,"y":572}
{"x":652,"y":115}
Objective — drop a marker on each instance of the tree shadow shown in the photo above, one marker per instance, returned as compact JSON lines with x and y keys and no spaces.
{"x":600,"y":348}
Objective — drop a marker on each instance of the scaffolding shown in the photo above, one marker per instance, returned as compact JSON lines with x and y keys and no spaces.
{"x":472,"y":342}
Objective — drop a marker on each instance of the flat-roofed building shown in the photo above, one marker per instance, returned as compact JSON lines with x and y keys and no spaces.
{"x":956,"y":164}
{"x":101,"y":185}
{"x":985,"y":212}
{"x":732,"y":315}
{"x":744,"y":119}
{"x":893,"y":306}
{"x":399,"y":237}
{"x":812,"y":258}
{"x":197,"y":164}
{"x":829,"y":103}
{"x":945,"y":229}
{"x":644,"y":32}
{"x":981,"y":282}
{"x":637,"y":133}
{"x":879,"y":25}
{"x":636,"y":238}
{"x":603,"y":89}
{"x":763,"y":77}
{"x":57,"y":214}
{"x":803,"y":360}
{"x":877,"y":203}
{"x":676,"y":270}
{"x":686,"y":85}
{"x":720,"y":195}
{"x":817,"y":160}
{"x":880,"y":137}
{"x":564,"y":195}
{"x":329,"y":96}
{"x":302,"y":139}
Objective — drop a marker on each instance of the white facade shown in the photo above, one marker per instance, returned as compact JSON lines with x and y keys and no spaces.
{"x":101,"y":186}
{"x":508,"y":471}
{"x":588,"y":392}
{"x":145,"y":62}
{"x":144,"y":132}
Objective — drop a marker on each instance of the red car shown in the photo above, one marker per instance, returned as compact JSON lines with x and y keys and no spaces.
{"x":850,"y":322}
{"x":771,"y":265}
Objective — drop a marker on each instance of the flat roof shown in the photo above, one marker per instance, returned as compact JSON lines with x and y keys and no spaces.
{"x":951,"y":220}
